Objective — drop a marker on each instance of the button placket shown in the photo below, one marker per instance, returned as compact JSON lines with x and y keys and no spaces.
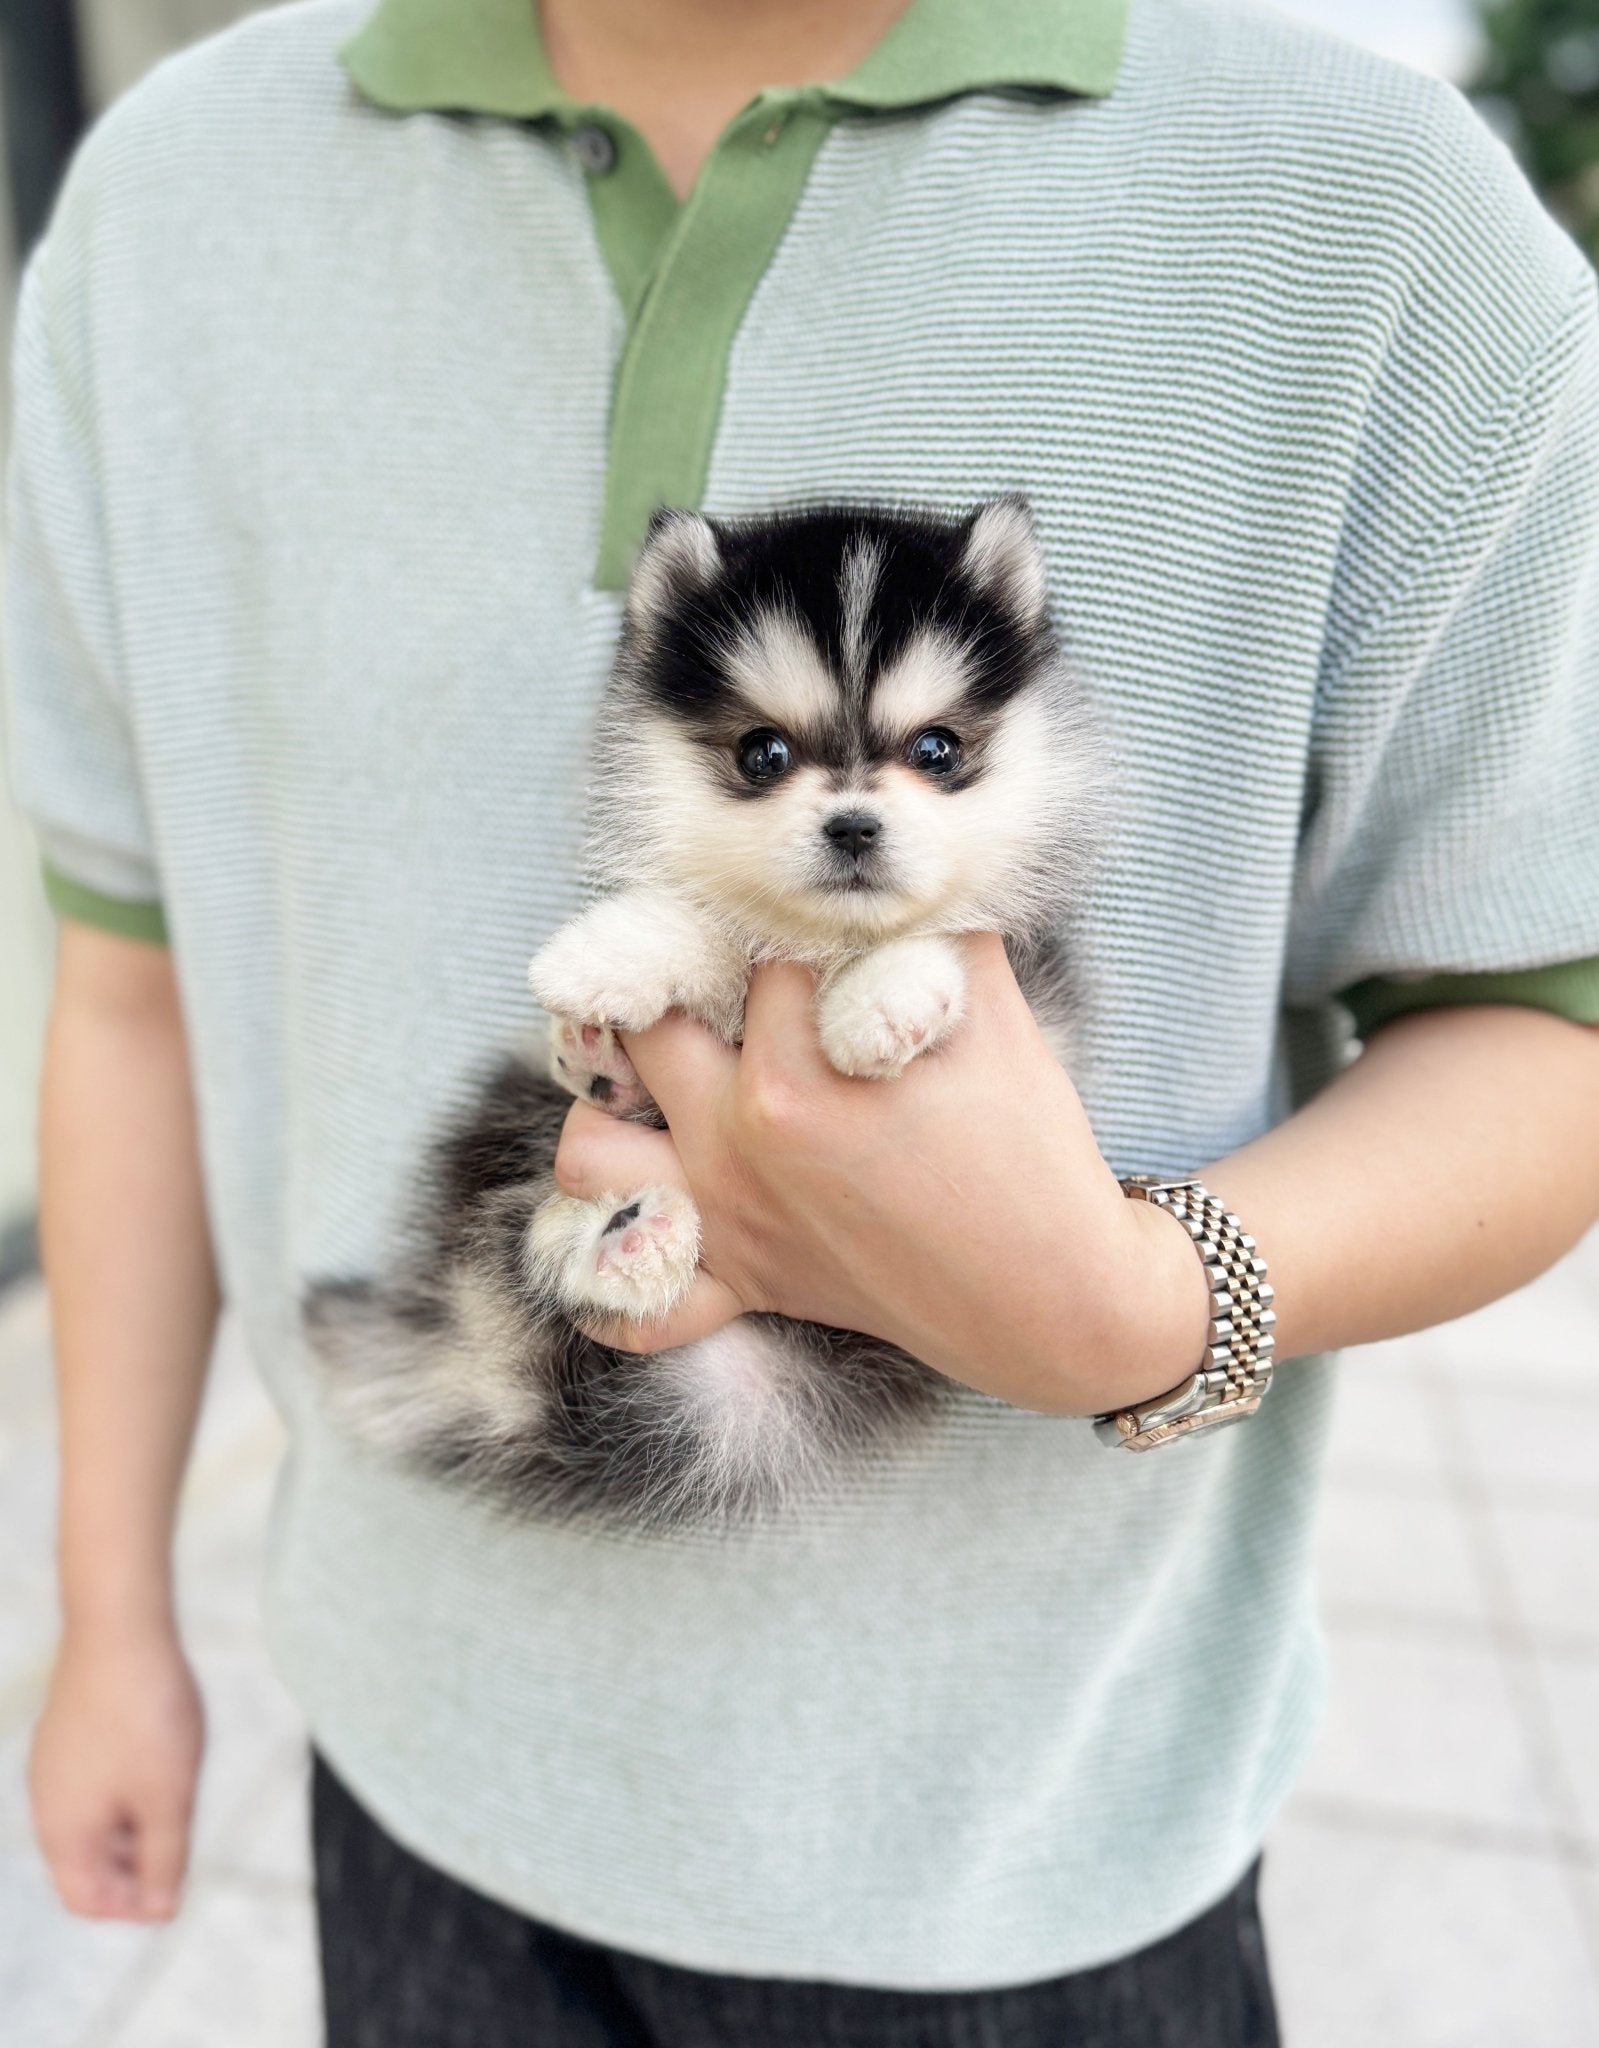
{"x":595,"y":148}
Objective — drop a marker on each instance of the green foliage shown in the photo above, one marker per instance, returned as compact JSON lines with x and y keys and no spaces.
{"x":1539,"y":84}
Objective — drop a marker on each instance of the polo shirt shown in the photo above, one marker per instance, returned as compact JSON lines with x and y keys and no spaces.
{"x":355,"y":358}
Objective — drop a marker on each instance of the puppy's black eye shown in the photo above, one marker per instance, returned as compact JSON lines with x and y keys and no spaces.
{"x":936,"y":753}
{"x":764,"y":756}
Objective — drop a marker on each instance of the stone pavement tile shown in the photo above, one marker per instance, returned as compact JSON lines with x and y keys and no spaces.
{"x":1425,"y":1729}
{"x":255,"y":1734}
{"x":1397,"y":1554}
{"x":1547,"y":1335}
{"x":56,"y":1971}
{"x":221,"y":1534}
{"x":1572,"y":1693}
{"x":16,"y":1828}
{"x":27,"y":1440}
{"x":1380,"y":1942}
{"x":1534,"y":1450}
{"x":1383,"y":1431}
{"x":237,"y":1970}
{"x":1551,"y":1554}
{"x":236,"y":1403}
{"x":268,"y":1839}
{"x":25,"y":1345}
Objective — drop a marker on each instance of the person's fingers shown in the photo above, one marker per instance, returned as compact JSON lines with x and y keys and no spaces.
{"x":163,"y":1852}
{"x":93,"y":1868}
{"x":683,"y":1065}
{"x":989,"y":976}
{"x":780,"y":1035}
{"x":599,"y":1153}
{"x":708,"y":1306}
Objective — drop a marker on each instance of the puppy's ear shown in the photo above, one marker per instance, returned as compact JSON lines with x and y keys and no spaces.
{"x":679,"y":557}
{"x":1000,"y":554}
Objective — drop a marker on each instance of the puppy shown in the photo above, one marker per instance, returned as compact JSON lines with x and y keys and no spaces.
{"x":840,"y":737}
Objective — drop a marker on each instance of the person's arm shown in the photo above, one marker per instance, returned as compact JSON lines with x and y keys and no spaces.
{"x":964,"y":1211}
{"x":1453,"y":1162}
{"x":133,"y":1301}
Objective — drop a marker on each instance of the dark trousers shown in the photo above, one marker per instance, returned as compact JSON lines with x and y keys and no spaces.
{"x":411,"y":1959}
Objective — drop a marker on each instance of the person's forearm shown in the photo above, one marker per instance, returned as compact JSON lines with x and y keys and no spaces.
{"x":128,"y":1265}
{"x":1453,"y":1162}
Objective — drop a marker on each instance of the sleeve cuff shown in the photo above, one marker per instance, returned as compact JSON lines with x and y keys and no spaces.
{"x":1569,"y":989}
{"x":73,"y":900}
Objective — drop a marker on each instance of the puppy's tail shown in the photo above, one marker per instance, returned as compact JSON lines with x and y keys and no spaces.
{"x":441,"y":1376}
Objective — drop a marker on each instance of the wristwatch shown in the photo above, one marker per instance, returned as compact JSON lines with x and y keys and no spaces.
{"x":1231,"y":1379}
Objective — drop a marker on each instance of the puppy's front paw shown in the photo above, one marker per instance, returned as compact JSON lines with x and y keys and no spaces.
{"x":633,"y":1256}
{"x":587,"y":1060}
{"x":889,"y":1007}
{"x":632,"y":957}
{"x":597,"y":969}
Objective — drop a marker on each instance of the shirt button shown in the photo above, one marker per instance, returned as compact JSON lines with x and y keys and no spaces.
{"x":594,"y":149}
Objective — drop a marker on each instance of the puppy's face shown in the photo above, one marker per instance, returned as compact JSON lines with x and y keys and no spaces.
{"x":839,"y":726}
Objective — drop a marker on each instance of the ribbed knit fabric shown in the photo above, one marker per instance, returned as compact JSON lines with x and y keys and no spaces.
{"x":310,"y":425}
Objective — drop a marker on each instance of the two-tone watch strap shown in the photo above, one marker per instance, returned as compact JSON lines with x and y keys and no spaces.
{"x":1235,"y":1371}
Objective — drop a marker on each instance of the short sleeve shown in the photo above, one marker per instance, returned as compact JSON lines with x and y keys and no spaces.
{"x":1452,"y":800}
{"x":71,"y":751}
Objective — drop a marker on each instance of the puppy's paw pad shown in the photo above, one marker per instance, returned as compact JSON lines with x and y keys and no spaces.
{"x":588,"y":1061}
{"x":647,"y":1254}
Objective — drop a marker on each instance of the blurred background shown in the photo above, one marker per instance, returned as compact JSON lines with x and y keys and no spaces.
{"x":1435,"y":1881}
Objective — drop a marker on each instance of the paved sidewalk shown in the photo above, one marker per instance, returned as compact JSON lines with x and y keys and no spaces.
{"x":1434,"y":1884}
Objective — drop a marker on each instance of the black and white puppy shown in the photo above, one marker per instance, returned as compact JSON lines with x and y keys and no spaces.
{"x":837,"y":736}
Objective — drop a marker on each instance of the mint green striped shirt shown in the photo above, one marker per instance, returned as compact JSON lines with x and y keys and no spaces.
{"x":341,"y":394}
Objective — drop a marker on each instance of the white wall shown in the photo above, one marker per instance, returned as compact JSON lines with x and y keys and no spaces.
{"x":1437,"y":35}
{"x":122,"y":38}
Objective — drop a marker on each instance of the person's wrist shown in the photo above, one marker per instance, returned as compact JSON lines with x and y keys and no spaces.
{"x":1134,"y":1336}
{"x":1165,"y":1307}
{"x":118,"y":1612}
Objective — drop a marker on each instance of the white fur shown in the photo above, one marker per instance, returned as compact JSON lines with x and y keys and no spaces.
{"x":733,"y":1395}
{"x":680,"y":553}
{"x":862,"y":566}
{"x":1002,"y":556}
{"x":778,"y":670}
{"x":640,"y":1269}
{"x":922,"y":688}
{"x":890,"y":1006}
{"x":397,"y":1391}
{"x":628,"y":959}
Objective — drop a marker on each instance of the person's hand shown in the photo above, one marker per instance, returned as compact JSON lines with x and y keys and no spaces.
{"x":112,"y":1774}
{"x":962,"y":1211}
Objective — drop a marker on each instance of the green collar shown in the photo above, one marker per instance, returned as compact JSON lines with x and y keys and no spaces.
{"x":487,"y":57}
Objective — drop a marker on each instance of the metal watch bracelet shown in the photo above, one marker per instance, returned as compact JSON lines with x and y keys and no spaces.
{"x":1232,"y":1377}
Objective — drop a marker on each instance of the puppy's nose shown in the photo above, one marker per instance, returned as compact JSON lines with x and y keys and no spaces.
{"x":853,"y":832}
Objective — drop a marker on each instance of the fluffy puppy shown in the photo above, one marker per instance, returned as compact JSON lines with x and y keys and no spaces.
{"x":839,"y":736}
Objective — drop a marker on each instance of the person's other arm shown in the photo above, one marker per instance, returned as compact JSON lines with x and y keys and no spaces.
{"x":133,"y":1302}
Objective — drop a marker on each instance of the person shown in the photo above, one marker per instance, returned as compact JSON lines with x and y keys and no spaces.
{"x":361,"y":348}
